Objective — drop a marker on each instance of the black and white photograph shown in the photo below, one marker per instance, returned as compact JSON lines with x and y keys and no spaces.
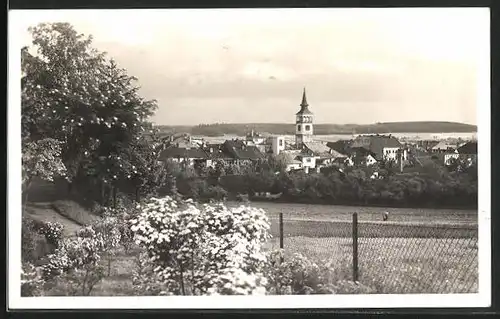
{"x":236,"y":158}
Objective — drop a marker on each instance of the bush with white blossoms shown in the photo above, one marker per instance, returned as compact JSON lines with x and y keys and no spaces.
{"x":117,"y":219}
{"x":53,"y":232}
{"x":74,"y":253}
{"x":31,"y":280}
{"x":299,"y":275}
{"x":203,"y":249}
{"x":84,"y":249}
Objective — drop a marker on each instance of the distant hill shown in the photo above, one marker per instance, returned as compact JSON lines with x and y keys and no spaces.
{"x":323,"y":129}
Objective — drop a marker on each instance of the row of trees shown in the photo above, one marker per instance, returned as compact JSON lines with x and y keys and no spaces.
{"x":430,"y":186}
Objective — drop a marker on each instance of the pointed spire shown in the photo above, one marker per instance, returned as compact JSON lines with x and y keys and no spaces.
{"x":304,"y":106}
{"x":304,"y":99}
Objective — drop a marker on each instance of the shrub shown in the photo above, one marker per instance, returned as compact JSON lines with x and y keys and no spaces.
{"x":146,"y":281}
{"x":31,"y":281}
{"x":215,"y":192}
{"x":78,"y":282}
{"x":76,"y":267}
{"x":31,"y":242}
{"x":53,"y":232}
{"x":39,"y":239}
{"x":208,"y":249}
{"x":299,"y":275}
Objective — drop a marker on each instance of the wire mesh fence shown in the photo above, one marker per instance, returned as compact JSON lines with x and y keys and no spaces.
{"x":391,"y":257}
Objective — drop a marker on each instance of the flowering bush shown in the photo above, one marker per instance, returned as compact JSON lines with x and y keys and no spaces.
{"x":34,"y":245}
{"x":74,"y":253}
{"x":207,"y":249}
{"x":299,"y":275}
{"x":53,"y":232}
{"x":147,"y":282}
{"x":118,"y":226}
{"x":31,"y":280}
{"x":76,"y":262}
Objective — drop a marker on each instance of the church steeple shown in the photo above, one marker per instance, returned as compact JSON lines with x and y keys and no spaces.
{"x":304,"y":123}
{"x":304,"y":106}
{"x":304,"y":99}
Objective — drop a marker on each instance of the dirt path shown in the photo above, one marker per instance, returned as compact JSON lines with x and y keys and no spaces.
{"x":43,"y":211}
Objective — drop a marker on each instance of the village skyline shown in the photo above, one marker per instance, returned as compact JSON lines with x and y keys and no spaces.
{"x":250,"y":66}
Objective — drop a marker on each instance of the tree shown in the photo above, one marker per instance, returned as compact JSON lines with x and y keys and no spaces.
{"x":42,"y":159}
{"x":93,"y":103}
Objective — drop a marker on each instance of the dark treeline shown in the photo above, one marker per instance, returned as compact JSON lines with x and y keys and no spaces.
{"x":322,"y":129}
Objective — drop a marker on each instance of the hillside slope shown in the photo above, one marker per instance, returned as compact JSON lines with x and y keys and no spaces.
{"x":48,"y":202}
{"x":324,"y":129}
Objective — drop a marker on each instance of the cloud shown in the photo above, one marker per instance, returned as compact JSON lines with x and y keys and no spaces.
{"x":358,"y":65}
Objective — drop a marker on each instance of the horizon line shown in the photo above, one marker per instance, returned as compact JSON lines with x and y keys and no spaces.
{"x":321,"y":123}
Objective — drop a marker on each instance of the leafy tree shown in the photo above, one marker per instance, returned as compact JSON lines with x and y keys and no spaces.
{"x":93,"y":103}
{"x":42,"y":159}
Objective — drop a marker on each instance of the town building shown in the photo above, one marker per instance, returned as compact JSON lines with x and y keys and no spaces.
{"x":467,"y":151}
{"x":181,"y":149}
{"x":241,"y":152}
{"x":444,"y":147}
{"x":381,"y":147}
{"x":291,"y":160}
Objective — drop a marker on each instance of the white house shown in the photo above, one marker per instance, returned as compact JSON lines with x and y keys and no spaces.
{"x":277,"y":144}
{"x":290,"y":160}
{"x":448,"y":157}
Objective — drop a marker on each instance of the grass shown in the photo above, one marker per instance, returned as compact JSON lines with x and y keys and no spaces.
{"x":374,"y":214}
{"x":74,"y":212}
{"x":44,"y":212}
{"x":119,"y":283}
{"x":329,"y":228}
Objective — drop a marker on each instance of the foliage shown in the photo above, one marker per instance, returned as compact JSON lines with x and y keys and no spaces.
{"x":42,"y":159}
{"x":31,"y":281}
{"x":38,"y":239}
{"x":76,"y":264}
{"x":299,"y":275}
{"x":434,"y":186}
{"x":208,"y":249}
{"x":80,"y":281}
{"x":29,"y":241}
{"x":95,"y":104}
{"x":53,"y":232}
{"x":146,"y":281}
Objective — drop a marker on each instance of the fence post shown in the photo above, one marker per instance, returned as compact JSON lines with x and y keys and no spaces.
{"x":355,"y":246}
{"x":281,"y":233}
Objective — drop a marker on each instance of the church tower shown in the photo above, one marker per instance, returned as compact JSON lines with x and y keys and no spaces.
{"x":303,"y":123}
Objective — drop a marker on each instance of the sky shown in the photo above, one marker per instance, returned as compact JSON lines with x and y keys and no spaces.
{"x":250,"y":66}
